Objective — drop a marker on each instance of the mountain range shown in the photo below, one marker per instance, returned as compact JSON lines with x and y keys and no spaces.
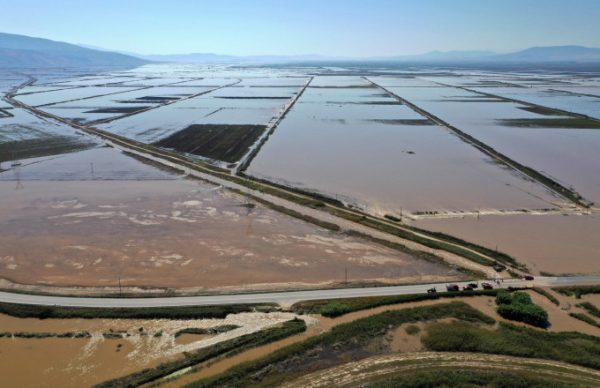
{"x":18,"y":51}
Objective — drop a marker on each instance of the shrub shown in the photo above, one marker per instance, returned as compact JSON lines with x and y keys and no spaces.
{"x":519,"y":307}
{"x":335,"y":309}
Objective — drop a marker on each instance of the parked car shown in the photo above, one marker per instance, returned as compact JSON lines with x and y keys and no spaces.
{"x":467,"y":288}
{"x":432,"y":290}
{"x":473,"y":285}
{"x":529,"y":277}
{"x":452,"y":287}
{"x":487,"y":286}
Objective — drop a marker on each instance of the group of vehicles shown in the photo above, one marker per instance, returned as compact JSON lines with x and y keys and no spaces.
{"x":471,"y":286}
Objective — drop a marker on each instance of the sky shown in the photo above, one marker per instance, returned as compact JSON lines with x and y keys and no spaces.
{"x":351,"y":28}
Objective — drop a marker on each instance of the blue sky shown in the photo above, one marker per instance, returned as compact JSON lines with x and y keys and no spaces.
{"x":328,"y":27}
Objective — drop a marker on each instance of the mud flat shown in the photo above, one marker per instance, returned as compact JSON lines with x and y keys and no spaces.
{"x":92,"y":219}
{"x":545,"y":243}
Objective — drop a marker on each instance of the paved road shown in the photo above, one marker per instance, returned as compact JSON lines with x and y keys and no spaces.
{"x":284,"y":298}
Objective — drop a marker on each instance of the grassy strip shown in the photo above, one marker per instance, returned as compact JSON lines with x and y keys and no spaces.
{"x":590,"y":308}
{"x":275,"y":368}
{"x":585,"y":318}
{"x":548,"y":295}
{"x":571,"y":347}
{"x":226,"y":348}
{"x":185,"y":312}
{"x":578,"y":291}
{"x":336,"y":308}
{"x":567,"y":122}
{"x":208,"y":331}
{"x":472,"y":377}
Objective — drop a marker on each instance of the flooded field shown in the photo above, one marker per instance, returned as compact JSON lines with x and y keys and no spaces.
{"x":94,"y":217}
{"x":367,"y":148}
{"x":111,"y":348}
{"x":558,"y":244}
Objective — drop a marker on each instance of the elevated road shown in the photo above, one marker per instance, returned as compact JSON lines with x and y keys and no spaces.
{"x":283,"y":298}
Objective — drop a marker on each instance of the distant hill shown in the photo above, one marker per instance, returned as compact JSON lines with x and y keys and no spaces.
{"x":25,"y":51}
{"x":554,"y":54}
{"x":218,"y":58}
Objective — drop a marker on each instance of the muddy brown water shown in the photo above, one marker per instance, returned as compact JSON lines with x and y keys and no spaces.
{"x":551,"y":243}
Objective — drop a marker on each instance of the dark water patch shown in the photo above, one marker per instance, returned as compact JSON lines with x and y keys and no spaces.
{"x":400,"y":121}
{"x":391,"y":102}
{"x":216,"y":141}
{"x":253,"y":98}
{"x":46,"y":146}
{"x":121,"y":109}
{"x":540,"y":110}
{"x":567,"y":122}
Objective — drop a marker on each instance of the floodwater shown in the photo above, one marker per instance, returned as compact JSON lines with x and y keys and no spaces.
{"x":76,"y":362}
{"x":359,"y":145}
{"x":97,"y":216}
{"x":568,"y":155}
{"x":546,"y":243}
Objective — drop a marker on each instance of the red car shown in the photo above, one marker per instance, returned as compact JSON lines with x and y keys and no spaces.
{"x":487,"y":286}
{"x":452,"y":287}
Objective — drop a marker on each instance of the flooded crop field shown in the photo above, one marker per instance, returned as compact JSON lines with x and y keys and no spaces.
{"x":449,"y":151}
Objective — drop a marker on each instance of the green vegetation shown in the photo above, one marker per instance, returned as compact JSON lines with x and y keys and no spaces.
{"x":548,"y":295}
{"x":566,"y":122}
{"x":577,"y":291}
{"x":472,"y":377}
{"x":540,"y":110}
{"x":334,"y":347}
{"x":214,"y":141}
{"x":226,"y":349}
{"x":208,"y":331}
{"x":590,"y":308}
{"x":338,"y":307}
{"x":571,"y":347}
{"x":519,"y":307}
{"x":585,"y":318}
{"x":185,"y":312}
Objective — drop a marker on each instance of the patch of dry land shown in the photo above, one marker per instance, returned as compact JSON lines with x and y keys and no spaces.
{"x":97,"y":217}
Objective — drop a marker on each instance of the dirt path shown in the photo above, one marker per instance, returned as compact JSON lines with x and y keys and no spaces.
{"x":363,"y":371}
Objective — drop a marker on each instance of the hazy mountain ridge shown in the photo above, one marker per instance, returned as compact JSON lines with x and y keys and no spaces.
{"x":24,"y":51}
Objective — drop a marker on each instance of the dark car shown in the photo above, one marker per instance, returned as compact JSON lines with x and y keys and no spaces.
{"x":473,"y":285}
{"x":529,"y":277}
{"x":487,"y":286}
{"x":432,"y":290}
{"x":452,"y":287}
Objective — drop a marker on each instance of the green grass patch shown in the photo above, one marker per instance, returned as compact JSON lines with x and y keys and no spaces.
{"x":548,"y":295}
{"x":578,"y":291}
{"x":518,"y":306}
{"x":338,"y":307}
{"x":585,"y":318}
{"x":511,"y":340}
{"x":590,"y":308}
{"x":225,"y":348}
{"x":291,"y":360}
{"x":185,"y":312}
